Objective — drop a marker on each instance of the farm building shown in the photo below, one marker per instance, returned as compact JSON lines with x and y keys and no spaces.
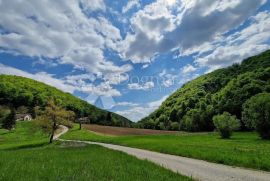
{"x":23,"y":117}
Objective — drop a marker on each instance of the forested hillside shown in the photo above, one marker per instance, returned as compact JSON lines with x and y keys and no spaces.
{"x":18,"y":91}
{"x":192,"y":107}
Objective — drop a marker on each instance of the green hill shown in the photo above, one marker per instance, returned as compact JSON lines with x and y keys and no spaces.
{"x":18,"y":91}
{"x":192,"y":106}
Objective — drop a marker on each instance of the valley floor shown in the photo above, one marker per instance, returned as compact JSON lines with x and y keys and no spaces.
{"x":26,"y":155}
{"x":197,"y":169}
{"x":243,"y":149}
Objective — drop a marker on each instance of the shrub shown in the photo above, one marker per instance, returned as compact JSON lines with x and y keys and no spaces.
{"x":256,"y":114}
{"x":225,"y":124}
{"x":174,"y":126}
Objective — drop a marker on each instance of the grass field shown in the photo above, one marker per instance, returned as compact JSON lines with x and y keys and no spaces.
{"x":25,"y":135}
{"x":243,"y":149}
{"x":25,"y":155}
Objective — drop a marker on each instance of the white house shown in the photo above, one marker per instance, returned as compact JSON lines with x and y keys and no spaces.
{"x":23,"y":117}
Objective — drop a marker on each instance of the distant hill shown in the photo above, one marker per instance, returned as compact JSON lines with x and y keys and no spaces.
{"x":192,"y":106}
{"x":19,"y":91}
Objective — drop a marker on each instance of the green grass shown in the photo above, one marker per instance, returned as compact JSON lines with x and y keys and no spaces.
{"x":243,"y":149}
{"x":25,"y":135}
{"x":87,"y":162}
{"x":23,"y":158}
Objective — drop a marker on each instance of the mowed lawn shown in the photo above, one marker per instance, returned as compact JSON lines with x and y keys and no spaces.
{"x":243,"y":149}
{"x":36,"y":160}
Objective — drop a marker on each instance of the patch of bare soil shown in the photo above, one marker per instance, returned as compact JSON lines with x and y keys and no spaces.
{"x":67,"y":144}
{"x":118,"y":131}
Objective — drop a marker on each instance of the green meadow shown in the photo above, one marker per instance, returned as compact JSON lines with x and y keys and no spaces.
{"x":244,"y":149}
{"x":26,"y":155}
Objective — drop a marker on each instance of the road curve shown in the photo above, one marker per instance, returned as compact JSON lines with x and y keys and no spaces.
{"x":197,"y":169}
{"x":62,"y":129}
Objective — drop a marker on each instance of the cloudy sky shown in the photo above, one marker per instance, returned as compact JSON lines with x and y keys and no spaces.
{"x":129,"y":54}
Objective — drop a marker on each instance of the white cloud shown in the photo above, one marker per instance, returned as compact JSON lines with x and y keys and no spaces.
{"x":131,"y":4}
{"x":145,"y":66}
{"x":137,"y":112}
{"x":144,"y":86}
{"x":167,"y":79}
{"x":103,"y":89}
{"x":250,"y":41}
{"x":188,"y":69}
{"x":90,"y":5}
{"x":163,"y":26}
{"x":149,"y":25}
{"x":59,"y":30}
{"x":129,"y":104}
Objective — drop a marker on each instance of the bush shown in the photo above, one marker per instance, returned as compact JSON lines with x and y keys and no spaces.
{"x":256,"y":114}
{"x":174,"y":126}
{"x":225,"y":124}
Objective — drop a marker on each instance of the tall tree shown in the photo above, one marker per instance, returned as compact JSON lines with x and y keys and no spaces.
{"x":256,"y":114}
{"x":54,"y":115}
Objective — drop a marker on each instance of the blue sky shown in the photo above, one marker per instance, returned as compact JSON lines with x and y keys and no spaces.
{"x":130,"y":54}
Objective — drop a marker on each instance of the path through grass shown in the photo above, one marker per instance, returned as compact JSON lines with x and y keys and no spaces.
{"x":244,"y":149}
{"x":26,"y":155}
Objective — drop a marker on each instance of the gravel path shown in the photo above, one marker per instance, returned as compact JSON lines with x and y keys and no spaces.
{"x":197,"y":169}
{"x":62,"y":130}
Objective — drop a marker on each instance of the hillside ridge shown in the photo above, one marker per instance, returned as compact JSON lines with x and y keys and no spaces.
{"x":192,"y":107}
{"x":19,"y":91}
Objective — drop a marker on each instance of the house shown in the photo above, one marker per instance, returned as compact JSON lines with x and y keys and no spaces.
{"x":23,"y":117}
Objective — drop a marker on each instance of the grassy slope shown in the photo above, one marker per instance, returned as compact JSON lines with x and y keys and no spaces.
{"x":23,"y":136}
{"x":69,"y":161}
{"x":244,"y":149}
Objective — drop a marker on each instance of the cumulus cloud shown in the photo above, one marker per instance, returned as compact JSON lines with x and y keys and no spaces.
{"x":249,"y":41}
{"x":188,"y":69}
{"x":59,"y":30}
{"x":143,"y":86}
{"x":131,"y":4}
{"x":137,"y":112}
{"x":148,"y":25}
{"x":166,"y":79}
{"x":185,"y":25}
{"x":89,"y":5}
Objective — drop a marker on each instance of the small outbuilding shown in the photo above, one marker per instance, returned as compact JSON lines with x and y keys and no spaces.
{"x":23,"y":117}
{"x":83,"y":120}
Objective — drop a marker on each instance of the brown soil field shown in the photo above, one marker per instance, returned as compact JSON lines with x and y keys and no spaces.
{"x":118,"y":131}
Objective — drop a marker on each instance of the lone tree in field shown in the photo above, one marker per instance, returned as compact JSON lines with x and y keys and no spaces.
{"x":225,"y":124}
{"x":256,"y":114}
{"x":54,"y":115}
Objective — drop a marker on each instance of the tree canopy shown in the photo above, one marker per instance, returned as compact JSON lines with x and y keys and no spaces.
{"x":224,"y":90}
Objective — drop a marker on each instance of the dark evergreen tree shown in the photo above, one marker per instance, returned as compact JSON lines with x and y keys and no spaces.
{"x":9,"y":121}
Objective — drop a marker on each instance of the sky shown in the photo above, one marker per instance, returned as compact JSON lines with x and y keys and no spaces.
{"x":128,"y":56}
